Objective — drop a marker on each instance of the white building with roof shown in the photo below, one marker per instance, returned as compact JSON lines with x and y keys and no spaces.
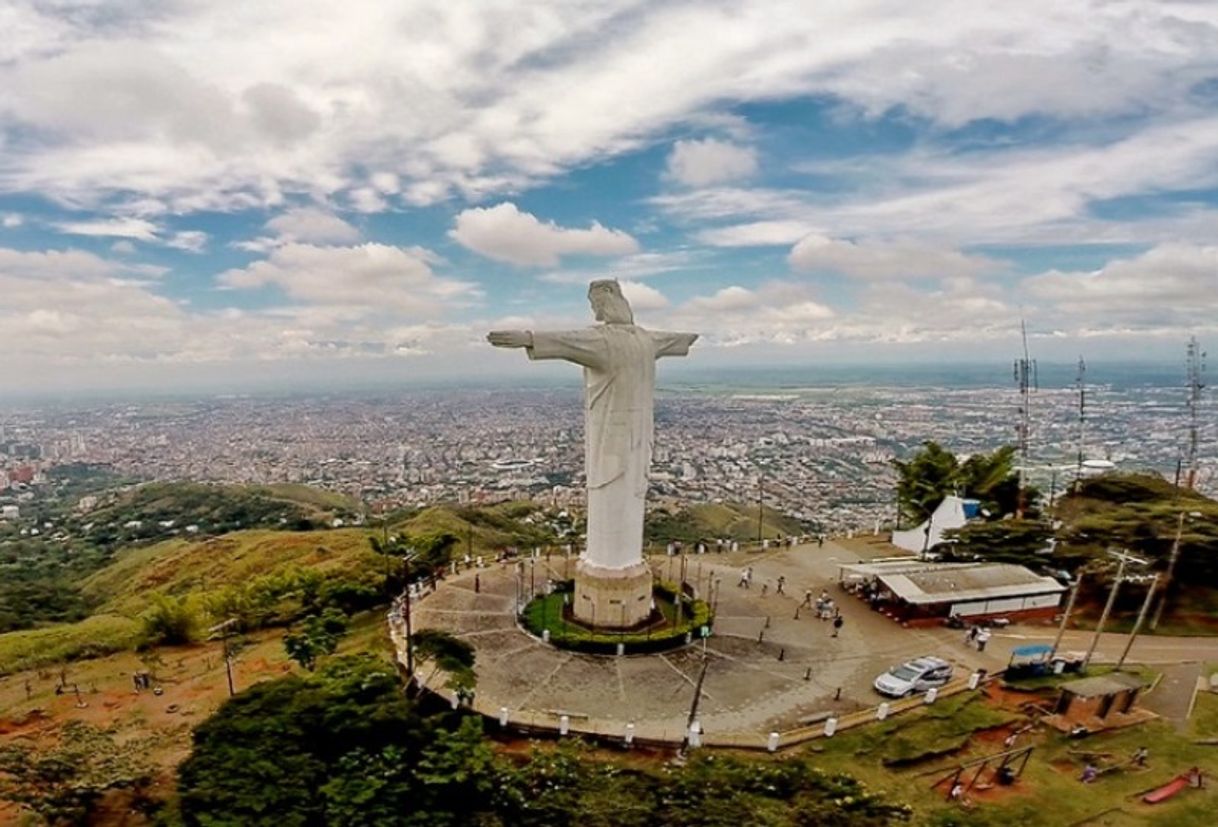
{"x":919,"y":592}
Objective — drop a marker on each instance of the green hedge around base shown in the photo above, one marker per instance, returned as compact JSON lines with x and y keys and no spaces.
{"x":546,"y":612}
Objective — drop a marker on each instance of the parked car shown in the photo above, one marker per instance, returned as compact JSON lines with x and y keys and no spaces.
{"x":916,"y":675}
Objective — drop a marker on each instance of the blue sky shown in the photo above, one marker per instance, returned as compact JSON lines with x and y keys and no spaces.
{"x":197,"y":193}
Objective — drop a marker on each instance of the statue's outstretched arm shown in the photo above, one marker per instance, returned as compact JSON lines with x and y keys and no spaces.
{"x":583,"y":347}
{"x":673,"y":344}
{"x":510,"y":338}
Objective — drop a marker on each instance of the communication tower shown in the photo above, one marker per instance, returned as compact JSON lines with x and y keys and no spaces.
{"x":1080,"y":382}
{"x":1196,"y":367}
{"x":1027,"y":382}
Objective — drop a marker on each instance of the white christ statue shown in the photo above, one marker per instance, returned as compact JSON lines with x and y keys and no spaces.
{"x":618,"y":358}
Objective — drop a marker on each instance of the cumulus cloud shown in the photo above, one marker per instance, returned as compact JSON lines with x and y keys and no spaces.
{"x":362,"y":276}
{"x":11,"y":220}
{"x":313,"y":225}
{"x":643,"y":297}
{"x":504,"y":233}
{"x":710,"y":161}
{"x":1169,"y":285}
{"x":884,"y":259}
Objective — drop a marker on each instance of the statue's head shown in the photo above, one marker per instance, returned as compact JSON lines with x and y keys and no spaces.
{"x":608,"y":303}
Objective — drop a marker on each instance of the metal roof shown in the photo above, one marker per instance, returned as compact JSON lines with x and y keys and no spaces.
{"x":921,"y":582}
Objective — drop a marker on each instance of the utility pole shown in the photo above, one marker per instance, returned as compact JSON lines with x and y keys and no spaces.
{"x":1124,"y":558}
{"x":224,"y":628}
{"x":1137,"y":624}
{"x":406,"y":558}
{"x":1171,"y":568}
{"x":1061,"y":629}
{"x":760,"y":503}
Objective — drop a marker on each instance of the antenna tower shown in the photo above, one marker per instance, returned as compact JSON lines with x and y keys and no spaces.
{"x":1196,"y":367}
{"x":1080,"y":382}
{"x":1026,"y":380}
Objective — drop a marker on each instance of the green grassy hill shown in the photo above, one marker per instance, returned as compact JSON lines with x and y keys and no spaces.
{"x":181,"y":567}
{"x":708,"y":521}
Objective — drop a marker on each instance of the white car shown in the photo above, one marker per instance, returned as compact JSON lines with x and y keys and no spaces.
{"x":916,"y":675}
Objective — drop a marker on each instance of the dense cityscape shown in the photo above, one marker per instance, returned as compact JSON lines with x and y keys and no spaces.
{"x":819,"y":453}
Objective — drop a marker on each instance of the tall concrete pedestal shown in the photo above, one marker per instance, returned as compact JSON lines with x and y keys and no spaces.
{"x":612,"y":598}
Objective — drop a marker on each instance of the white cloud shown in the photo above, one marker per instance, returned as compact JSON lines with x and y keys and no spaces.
{"x":630,"y":268}
{"x":504,"y":233}
{"x":884,"y":260}
{"x":11,"y":220}
{"x":192,"y":241}
{"x":709,"y":161}
{"x":364,"y":276}
{"x":314,"y":225}
{"x":643,"y":297}
{"x":777,"y":233}
{"x":136,"y":228}
{"x":1172,"y":285}
{"x":190,"y":107}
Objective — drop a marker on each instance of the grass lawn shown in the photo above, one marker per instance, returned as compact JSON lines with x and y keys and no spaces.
{"x":1049,"y":792}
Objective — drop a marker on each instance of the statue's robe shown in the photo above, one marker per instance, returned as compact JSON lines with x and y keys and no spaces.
{"x":619,"y":389}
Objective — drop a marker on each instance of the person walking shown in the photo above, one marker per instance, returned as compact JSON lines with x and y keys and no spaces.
{"x":838,"y":622}
{"x":807,"y":599}
{"x":782,"y":581}
{"x":983,"y":637}
{"x":744,"y":578}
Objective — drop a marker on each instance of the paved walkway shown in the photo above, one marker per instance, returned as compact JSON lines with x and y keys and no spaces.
{"x":1172,"y":698}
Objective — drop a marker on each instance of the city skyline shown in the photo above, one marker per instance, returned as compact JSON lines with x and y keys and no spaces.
{"x":201,"y":196}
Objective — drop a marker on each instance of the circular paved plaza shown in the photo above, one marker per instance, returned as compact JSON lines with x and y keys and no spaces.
{"x":766,"y":669}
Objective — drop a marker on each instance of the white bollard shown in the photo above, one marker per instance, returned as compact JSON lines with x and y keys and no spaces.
{"x":881,"y":711}
{"x":973,"y":680}
{"x":621,"y":649}
{"x":545,"y":635}
{"x":503,"y":716}
{"x":456,"y":701}
{"x":695,"y":734}
{"x":772,"y":743}
{"x":830,"y":727}
{"x":629,"y":734}
{"x":931,"y":694}
{"x":564,"y":725}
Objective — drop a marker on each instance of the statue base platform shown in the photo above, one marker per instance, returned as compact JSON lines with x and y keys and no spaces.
{"x":612,"y":598}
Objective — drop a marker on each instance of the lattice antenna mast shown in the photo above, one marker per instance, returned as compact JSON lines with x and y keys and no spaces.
{"x":1026,"y":381}
{"x":1196,"y":367}
{"x":1080,"y":382}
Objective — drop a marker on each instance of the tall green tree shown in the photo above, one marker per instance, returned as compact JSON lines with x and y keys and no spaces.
{"x":934,"y":472}
{"x":318,"y":635}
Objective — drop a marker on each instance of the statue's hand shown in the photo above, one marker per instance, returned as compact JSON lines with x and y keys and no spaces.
{"x":510,"y":338}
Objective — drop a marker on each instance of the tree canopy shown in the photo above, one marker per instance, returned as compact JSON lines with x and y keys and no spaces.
{"x":344,"y":746}
{"x":934,"y":472}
